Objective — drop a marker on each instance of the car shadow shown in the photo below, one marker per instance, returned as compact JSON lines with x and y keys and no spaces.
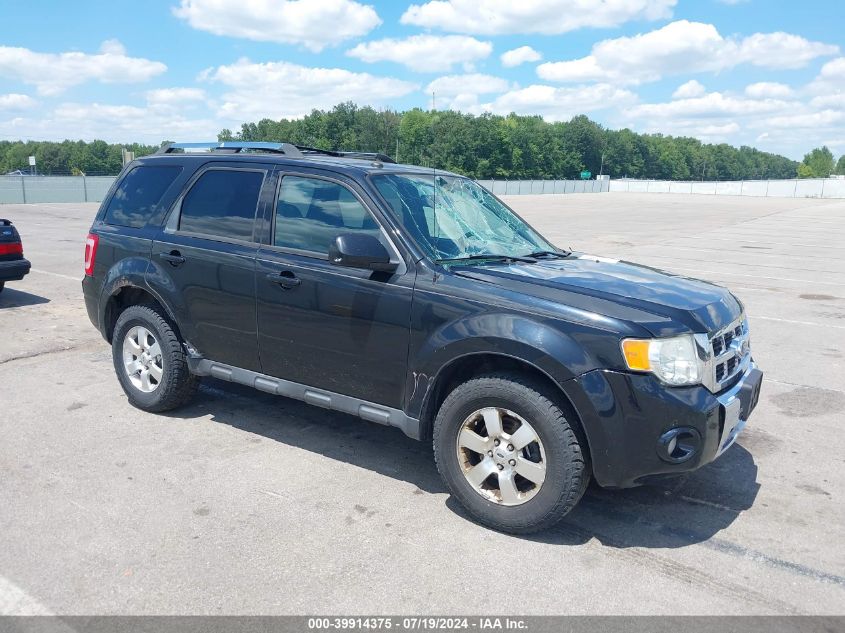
{"x":674,"y":513}
{"x":11,"y":298}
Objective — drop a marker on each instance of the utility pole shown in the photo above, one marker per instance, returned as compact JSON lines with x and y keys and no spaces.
{"x":433,"y":107}
{"x":702,"y":169}
{"x":397,"y":148}
{"x":601,"y":169}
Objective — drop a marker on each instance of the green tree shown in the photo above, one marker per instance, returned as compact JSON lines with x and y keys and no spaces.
{"x":817,"y":164}
{"x":840,"y":165}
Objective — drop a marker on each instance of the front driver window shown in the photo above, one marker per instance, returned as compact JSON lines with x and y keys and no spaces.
{"x":312,"y":212}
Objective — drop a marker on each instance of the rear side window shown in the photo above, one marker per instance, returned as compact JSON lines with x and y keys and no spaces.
{"x":312,"y":212}
{"x":138,"y":193}
{"x":222,"y":203}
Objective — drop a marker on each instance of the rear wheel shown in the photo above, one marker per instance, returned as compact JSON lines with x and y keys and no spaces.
{"x":150,"y":362}
{"x":509,"y":454}
{"x":2,"y":285}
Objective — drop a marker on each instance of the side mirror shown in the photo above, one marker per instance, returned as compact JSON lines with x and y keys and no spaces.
{"x":360,"y":250}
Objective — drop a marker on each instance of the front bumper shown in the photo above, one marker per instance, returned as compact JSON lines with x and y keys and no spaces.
{"x":14,"y":270}
{"x":630,"y":418}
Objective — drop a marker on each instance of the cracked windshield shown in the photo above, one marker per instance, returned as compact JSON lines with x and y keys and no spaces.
{"x":454,"y":218}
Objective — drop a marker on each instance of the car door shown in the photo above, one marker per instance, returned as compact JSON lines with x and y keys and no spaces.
{"x":340,"y":329}
{"x":205,"y":255}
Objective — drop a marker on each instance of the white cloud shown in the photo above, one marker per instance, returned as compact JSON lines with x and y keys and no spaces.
{"x":16,"y":102}
{"x":52,"y":73}
{"x":496,"y":17}
{"x":768,"y":89}
{"x":692,"y":88}
{"x":453,"y":85}
{"x":682,"y":47}
{"x":175,"y":96}
{"x":113,"y":47}
{"x":424,"y":53}
{"x":520,"y":55}
{"x":282,"y":89}
{"x":782,"y":50}
{"x":558,"y":104}
{"x":113,"y":123}
{"x":832,"y":101}
{"x":831,"y":78}
{"x":314,"y":24}
{"x":805,"y":120}
{"x":713,"y":104}
{"x":461,"y":92}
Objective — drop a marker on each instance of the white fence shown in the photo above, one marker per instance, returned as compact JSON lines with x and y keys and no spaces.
{"x":29,"y":189}
{"x":524,"y":187}
{"x":797,"y":188}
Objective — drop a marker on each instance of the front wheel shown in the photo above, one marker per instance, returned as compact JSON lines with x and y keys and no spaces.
{"x":509,"y":454}
{"x":150,"y":362}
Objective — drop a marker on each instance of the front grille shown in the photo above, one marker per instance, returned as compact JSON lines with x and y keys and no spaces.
{"x":730,"y":351}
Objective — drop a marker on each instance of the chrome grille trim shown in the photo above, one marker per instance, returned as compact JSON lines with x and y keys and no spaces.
{"x":726,"y":354}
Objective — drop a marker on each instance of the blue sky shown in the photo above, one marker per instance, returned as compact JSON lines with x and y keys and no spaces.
{"x":765,"y":73}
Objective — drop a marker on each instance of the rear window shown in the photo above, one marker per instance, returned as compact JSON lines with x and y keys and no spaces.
{"x":222,"y":203}
{"x":138,"y":193}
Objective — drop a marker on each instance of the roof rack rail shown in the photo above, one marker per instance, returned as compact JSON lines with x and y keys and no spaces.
{"x":286,"y":149}
{"x":383,"y":158}
{"x":233,"y":147}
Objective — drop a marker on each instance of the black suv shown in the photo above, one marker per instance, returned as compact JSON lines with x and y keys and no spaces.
{"x":415,"y":298}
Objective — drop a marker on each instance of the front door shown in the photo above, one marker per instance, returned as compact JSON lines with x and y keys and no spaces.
{"x":339,"y":329}
{"x":205,"y":256}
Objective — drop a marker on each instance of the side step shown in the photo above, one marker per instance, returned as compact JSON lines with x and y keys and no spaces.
{"x":369,"y":411}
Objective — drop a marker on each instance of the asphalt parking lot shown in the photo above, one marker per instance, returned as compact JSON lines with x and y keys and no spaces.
{"x":249,"y":503}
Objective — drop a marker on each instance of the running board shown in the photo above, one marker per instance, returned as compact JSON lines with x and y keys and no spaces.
{"x":369,"y":411}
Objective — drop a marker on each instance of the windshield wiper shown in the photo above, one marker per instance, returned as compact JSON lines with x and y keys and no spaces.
{"x":559,"y":254}
{"x":488,"y":256}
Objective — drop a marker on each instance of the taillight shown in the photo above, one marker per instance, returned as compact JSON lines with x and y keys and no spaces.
{"x":91,"y":243}
{"x":11,"y":249}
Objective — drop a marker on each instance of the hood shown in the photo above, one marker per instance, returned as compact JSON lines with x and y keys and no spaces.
{"x":698,"y":305}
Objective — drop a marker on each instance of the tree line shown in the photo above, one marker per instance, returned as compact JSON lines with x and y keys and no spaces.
{"x":485,"y":146}
{"x":516,"y":147}
{"x":96,"y":158}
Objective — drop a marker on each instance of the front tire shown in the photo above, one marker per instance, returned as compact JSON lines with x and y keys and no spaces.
{"x":509,"y":454}
{"x":150,"y":362}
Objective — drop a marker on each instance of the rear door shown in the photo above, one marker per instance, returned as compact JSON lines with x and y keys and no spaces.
{"x":206,"y":255}
{"x":341,"y":329}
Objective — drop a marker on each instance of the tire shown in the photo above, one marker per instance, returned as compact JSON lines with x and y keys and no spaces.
{"x":556,"y":447}
{"x":2,"y":285}
{"x":169,"y":383}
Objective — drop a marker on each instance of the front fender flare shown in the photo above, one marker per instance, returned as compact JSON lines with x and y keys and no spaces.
{"x":552,"y":352}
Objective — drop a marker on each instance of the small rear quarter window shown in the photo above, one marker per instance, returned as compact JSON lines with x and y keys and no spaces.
{"x":138,"y":193}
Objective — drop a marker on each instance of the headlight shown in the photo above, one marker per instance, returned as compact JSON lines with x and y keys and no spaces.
{"x":673,"y":360}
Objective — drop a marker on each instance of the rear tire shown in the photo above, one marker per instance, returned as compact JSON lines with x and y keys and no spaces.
{"x":518,"y":435}
{"x":150,"y":362}
{"x":2,"y":285}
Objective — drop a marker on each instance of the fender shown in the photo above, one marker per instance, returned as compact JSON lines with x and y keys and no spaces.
{"x":161,"y":286}
{"x":134,"y":272}
{"x":530,"y":340}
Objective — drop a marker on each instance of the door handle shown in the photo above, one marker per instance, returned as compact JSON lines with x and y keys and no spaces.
{"x":174,"y":257}
{"x":285,"y":279}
